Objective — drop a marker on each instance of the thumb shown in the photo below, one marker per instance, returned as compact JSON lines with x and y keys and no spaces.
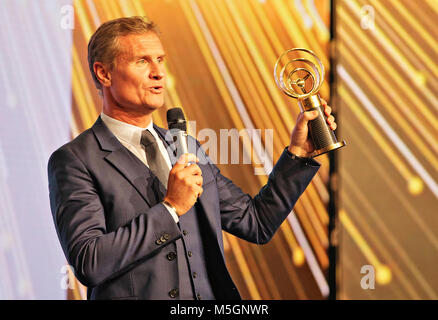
{"x":308,"y":116}
{"x":184,"y":160}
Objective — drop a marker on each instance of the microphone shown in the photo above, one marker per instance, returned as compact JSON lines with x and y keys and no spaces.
{"x":177,"y":125}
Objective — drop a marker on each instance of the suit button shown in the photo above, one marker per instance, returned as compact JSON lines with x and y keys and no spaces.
{"x":198,"y":296}
{"x":190,"y":253}
{"x":158,"y":242}
{"x":173,"y":293}
{"x":195,"y":274}
{"x":185,"y":232}
{"x":162,"y":239}
{"x":166,"y":236}
{"x":171,"y":256}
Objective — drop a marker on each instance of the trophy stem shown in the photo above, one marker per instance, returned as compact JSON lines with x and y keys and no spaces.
{"x":322,"y":136}
{"x":310,"y":103}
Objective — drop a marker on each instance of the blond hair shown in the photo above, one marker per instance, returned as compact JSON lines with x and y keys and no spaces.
{"x":103,"y":45}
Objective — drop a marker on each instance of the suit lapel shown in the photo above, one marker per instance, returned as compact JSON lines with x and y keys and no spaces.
{"x":139,"y":175}
{"x":203,"y":201}
{"x":125,"y":162}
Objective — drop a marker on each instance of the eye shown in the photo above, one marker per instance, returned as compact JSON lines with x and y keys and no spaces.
{"x":142,"y":61}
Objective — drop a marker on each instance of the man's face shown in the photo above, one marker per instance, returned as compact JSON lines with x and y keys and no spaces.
{"x":138,"y":77}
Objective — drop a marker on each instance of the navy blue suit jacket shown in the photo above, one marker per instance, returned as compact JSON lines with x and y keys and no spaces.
{"x":108,"y":218}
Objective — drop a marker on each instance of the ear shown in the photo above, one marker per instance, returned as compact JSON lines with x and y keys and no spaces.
{"x":102,"y":73}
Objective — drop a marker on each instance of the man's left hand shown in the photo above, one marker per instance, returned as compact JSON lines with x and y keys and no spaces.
{"x":300,"y":144}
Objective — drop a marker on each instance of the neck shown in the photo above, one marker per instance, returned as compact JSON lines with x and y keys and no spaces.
{"x":133,"y":117}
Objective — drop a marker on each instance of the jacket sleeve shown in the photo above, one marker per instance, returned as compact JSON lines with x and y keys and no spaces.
{"x":95,"y":254}
{"x":257,"y":219}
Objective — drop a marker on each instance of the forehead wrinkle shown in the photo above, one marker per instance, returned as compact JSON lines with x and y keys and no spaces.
{"x":125,"y":47}
{"x":132,"y":46}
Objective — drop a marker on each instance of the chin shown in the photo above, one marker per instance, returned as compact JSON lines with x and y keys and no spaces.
{"x":154,"y":106}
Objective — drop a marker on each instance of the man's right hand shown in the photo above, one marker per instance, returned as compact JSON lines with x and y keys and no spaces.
{"x":185,"y":184}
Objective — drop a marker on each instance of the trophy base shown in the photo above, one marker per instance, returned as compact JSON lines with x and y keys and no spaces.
{"x":329,"y":148}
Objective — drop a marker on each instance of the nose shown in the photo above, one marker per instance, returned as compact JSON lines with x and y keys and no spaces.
{"x":157,"y":71}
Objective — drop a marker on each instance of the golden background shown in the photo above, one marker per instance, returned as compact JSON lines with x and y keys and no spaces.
{"x":220,"y":62}
{"x":387,"y":91}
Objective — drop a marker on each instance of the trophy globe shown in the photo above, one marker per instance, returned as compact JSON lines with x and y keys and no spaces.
{"x":299,"y":73}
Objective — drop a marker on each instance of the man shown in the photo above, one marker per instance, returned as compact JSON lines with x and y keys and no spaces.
{"x":131,"y":225}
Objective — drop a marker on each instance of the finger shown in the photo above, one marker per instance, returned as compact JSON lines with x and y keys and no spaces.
{"x":333,"y":126}
{"x":308,"y":116}
{"x":331,"y":122}
{"x":199,"y":191}
{"x":184,"y":160}
{"x":194,"y":182}
{"x":324,"y":103}
{"x":188,"y":157}
{"x":197,"y":180}
{"x":193,"y":169}
{"x":327,"y":110}
{"x":330,"y":119}
{"x":304,"y":118}
{"x":196,"y":191}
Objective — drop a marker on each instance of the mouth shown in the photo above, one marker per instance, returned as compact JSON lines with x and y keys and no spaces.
{"x":156,"y":89}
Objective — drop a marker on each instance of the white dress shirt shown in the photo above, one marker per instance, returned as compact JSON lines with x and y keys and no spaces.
{"x":130,"y":136}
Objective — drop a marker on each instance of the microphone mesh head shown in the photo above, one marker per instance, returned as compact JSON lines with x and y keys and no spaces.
{"x":176,"y":119}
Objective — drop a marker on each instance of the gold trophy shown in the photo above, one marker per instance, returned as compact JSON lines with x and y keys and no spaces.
{"x":300,"y":73}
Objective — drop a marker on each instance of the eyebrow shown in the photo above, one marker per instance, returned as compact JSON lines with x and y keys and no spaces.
{"x":148,"y":56}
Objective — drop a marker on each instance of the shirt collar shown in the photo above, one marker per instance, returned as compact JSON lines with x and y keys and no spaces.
{"x":125,"y":131}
